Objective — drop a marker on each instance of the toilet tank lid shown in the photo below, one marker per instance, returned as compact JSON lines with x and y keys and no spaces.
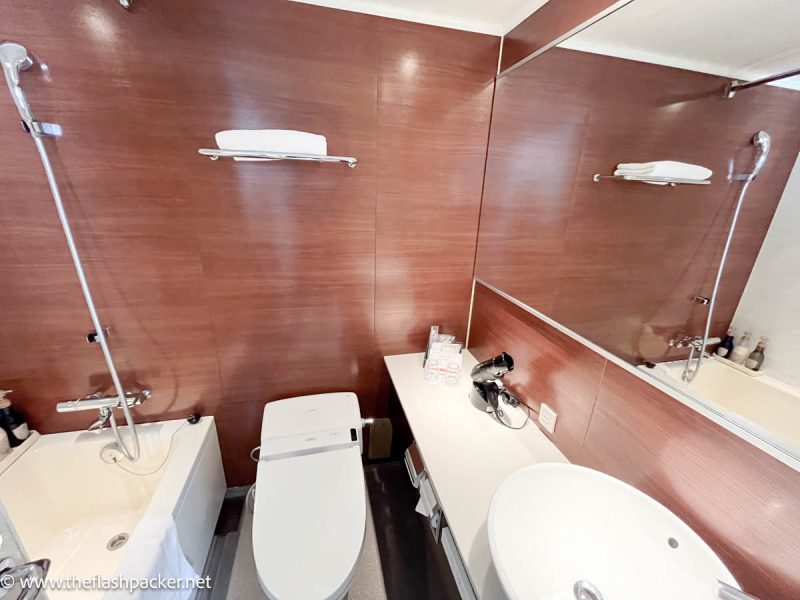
{"x":310,"y":414}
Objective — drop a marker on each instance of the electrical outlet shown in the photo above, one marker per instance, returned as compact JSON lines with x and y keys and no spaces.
{"x":547,"y":417}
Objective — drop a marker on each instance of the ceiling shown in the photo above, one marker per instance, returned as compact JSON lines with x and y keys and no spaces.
{"x":495,"y":17}
{"x":743,"y":39}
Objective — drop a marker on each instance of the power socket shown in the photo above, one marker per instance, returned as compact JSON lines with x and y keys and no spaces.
{"x":547,"y":417}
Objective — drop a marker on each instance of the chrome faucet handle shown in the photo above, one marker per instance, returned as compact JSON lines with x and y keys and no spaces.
{"x":693,"y":342}
{"x":35,"y":570}
{"x":140,"y":397}
{"x":684,"y":342}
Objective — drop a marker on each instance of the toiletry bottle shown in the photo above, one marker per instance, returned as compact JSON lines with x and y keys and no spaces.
{"x":12,"y":422}
{"x":741,"y":350}
{"x":726,"y":345}
{"x":5,"y":445}
{"x":756,"y":358}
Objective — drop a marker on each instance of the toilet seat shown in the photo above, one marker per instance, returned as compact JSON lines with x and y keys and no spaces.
{"x":310,"y":505}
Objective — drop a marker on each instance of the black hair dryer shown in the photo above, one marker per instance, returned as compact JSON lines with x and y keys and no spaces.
{"x":486,"y":379}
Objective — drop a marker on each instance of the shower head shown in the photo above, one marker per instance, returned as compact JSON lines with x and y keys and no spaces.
{"x":14,"y":58}
{"x":762,"y":141}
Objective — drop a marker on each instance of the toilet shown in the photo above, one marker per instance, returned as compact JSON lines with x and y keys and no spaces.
{"x":310,"y":501}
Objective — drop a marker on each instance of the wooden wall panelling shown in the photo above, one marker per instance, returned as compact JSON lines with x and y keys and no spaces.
{"x":549,"y":367}
{"x":434,"y":105}
{"x":226,"y":284}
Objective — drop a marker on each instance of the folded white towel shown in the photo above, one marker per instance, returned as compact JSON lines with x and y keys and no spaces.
{"x":272,"y":140}
{"x":664,"y":168}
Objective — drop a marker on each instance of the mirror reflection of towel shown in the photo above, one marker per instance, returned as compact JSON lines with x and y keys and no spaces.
{"x":272,"y":140}
{"x":664,"y":168}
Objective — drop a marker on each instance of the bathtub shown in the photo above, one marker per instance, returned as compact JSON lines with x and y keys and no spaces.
{"x":763,"y":405}
{"x":68,"y":505}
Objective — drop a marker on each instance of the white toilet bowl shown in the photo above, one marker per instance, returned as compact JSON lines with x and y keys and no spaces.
{"x":310,"y":505}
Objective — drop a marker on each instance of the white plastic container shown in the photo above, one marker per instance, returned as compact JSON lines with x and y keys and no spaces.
{"x":5,"y":445}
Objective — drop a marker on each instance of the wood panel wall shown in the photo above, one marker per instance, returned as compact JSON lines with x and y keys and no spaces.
{"x":228,"y":285}
{"x":620,"y":263}
{"x":743,"y":502}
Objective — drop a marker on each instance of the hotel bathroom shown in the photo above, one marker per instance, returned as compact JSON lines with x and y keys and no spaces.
{"x":400,"y":299}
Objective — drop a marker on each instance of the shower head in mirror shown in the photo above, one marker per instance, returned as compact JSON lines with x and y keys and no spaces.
{"x":762,"y":141}
{"x":14,"y":59}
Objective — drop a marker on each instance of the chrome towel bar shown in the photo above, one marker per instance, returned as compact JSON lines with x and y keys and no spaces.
{"x":216,"y":153}
{"x":672,"y":181}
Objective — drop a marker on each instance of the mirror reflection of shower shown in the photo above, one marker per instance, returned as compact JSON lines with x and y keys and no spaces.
{"x":15,"y":59}
{"x":762,"y":141}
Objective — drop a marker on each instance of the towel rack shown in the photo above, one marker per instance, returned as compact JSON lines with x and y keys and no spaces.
{"x":216,"y":153}
{"x":672,"y":181}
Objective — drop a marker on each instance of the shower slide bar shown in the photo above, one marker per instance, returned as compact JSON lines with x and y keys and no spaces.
{"x":14,"y":59}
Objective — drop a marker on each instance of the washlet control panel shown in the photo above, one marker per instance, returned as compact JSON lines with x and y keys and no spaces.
{"x":310,"y":425}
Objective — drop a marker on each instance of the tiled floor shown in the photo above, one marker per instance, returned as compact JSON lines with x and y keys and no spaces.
{"x":400,"y":559}
{"x":414,"y":565}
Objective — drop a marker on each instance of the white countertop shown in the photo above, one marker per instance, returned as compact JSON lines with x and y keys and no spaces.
{"x":467,"y":453}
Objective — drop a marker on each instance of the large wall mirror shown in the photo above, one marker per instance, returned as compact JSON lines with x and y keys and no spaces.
{"x":632,"y":265}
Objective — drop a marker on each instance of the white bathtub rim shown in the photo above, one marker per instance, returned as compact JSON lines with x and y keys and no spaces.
{"x":16,"y":453}
{"x":662,"y":372}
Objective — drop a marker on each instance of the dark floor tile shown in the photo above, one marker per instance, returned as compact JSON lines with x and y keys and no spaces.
{"x":230,"y":515}
{"x":414,"y":565}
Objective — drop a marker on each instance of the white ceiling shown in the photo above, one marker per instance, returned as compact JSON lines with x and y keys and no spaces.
{"x":743,"y":39}
{"x":495,"y":17}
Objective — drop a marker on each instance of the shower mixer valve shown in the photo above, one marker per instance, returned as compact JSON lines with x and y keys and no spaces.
{"x":693,"y":342}
{"x":104,"y":404}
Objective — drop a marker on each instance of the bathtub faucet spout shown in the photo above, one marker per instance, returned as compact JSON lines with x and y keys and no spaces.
{"x":102,"y":420}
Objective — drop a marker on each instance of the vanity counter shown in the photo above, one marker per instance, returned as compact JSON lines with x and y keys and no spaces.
{"x":467,"y":454}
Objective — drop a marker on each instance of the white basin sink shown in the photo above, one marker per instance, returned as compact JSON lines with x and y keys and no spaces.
{"x":553,"y":527}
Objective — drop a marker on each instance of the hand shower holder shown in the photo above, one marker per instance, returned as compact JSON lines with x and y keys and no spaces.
{"x":40,"y":128}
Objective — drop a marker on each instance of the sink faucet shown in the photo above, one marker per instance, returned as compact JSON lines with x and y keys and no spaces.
{"x":35,"y":570}
{"x":105,"y":404}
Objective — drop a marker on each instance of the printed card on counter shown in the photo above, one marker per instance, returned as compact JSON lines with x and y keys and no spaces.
{"x":443,"y":364}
